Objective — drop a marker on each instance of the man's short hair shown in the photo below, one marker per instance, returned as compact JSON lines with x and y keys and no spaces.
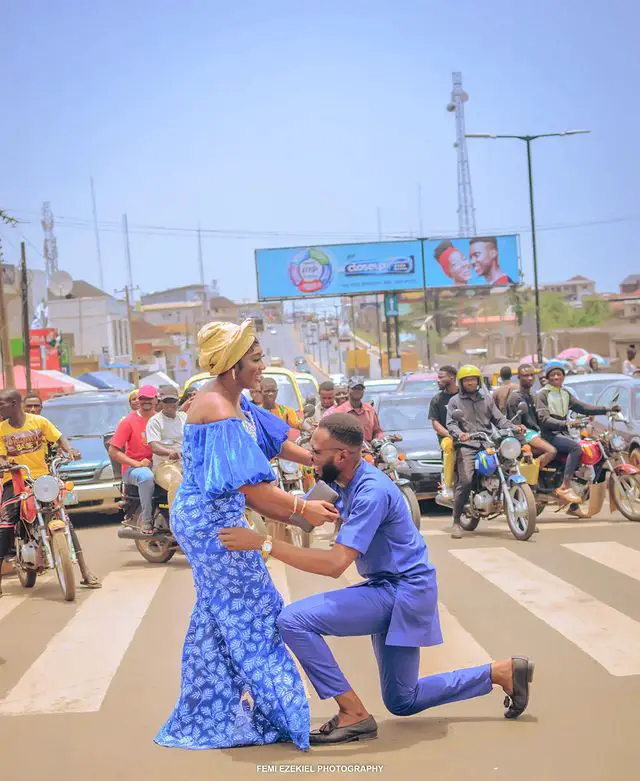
{"x":486,"y":239}
{"x":525,"y":367}
{"x":506,"y":373}
{"x":343,"y":428}
{"x":32,"y":396}
{"x":11,"y":395}
{"x":450,"y":370}
{"x":269,"y":381}
{"x":327,"y":386}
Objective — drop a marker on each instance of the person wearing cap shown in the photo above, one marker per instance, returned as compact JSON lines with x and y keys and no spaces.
{"x":553,"y":404}
{"x":365,"y":413}
{"x":129,"y":447}
{"x":480,"y":414}
{"x":453,"y":262}
{"x":165,"y":431}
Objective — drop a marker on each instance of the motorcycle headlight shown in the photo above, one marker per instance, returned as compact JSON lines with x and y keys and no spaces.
{"x":288,"y":467}
{"x":106,"y":473}
{"x":617,"y":442}
{"x":389,"y":454}
{"x":510,"y":448}
{"x":46,"y":488}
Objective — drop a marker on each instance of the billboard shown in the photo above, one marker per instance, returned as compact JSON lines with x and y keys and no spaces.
{"x":339,"y":270}
{"x":485,"y":261}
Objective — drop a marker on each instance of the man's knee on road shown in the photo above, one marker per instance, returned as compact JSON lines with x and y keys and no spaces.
{"x":399,"y":702}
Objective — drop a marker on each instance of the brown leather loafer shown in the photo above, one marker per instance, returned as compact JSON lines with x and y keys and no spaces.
{"x":331,"y":734}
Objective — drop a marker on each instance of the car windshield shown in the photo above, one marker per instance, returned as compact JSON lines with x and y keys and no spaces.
{"x":87,"y":419}
{"x":307,"y":388}
{"x":404,"y":414}
{"x":422,"y":386}
{"x":286,"y":391}
{"x":589,"y":390}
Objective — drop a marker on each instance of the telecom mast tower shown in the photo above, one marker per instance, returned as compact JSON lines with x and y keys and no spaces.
{"x":466,"y":209}
{"x":50,"y":245}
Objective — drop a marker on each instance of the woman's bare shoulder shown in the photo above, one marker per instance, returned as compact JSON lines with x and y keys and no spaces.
{"x":210,"y":407}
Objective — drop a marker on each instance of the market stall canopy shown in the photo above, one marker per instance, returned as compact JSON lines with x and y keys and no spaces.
{"x":105,"y":380}
{"x":158,"y":379}
{"x":41,"y":383}
{"x":62,"y":377}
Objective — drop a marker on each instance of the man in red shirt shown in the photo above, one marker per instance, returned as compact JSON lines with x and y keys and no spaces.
{"x":364,"y":413}
{"x":129,"y":448}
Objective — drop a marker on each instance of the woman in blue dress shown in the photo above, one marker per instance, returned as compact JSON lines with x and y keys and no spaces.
{"x":240,"y":686}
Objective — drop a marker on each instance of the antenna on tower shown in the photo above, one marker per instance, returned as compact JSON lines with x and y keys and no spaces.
{"x":466,"y":209}
{"x":50,"y":249}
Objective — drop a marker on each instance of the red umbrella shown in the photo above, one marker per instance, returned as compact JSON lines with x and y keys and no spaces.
{"x":572,"y":354}
{"x":42,"y":384}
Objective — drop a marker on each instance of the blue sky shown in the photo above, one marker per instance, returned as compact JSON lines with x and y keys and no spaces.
{"x":304,"y":117}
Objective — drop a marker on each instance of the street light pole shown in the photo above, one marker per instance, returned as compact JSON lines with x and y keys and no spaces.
{"x":536,"y":287}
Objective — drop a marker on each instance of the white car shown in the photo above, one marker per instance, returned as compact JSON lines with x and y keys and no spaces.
{"x":272,"y":331}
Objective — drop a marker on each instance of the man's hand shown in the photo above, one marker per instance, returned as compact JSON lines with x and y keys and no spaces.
{"x":464,"y":437}
{"x":144,"y":462}
{"x":240,"y":538}
{"x":615,"y":408}
{"x":174,"y":456}
{"x":76,"y":455}
{"x":520,"y":428}
{"x":319,"y":512}
{"x":5,"y":465}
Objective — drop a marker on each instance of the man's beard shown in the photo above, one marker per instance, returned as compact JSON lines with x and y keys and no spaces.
{"x":329,"y":473}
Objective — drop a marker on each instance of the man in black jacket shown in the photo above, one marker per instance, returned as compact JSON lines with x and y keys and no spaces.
{"x":545,"y":450}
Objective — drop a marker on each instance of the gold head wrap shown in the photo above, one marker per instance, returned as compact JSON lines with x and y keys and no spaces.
{"x":222,"y":345}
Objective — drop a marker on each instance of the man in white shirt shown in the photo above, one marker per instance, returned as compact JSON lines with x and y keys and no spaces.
{"x":165,"y":431}
{"x":629,"y":367}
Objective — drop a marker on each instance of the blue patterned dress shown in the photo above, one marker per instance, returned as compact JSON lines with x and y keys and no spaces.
{"x":240,"y":686}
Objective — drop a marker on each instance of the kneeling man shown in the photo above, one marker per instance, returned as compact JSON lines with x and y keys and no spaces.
{"x":397,"y":605}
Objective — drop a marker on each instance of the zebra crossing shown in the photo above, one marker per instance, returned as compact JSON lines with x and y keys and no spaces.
{"x":96,"y":634}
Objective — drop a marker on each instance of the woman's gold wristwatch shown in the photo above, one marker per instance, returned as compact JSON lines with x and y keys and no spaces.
{"x":267,"y":545}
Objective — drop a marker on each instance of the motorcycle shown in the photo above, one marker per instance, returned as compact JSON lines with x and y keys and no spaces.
{"x":603,"y":464}
{"x":42,"y":536}
{"x":498,"y":486}
{"x":383,"y":454}
{"x":289,"y":478}
{"x":160,"y":546}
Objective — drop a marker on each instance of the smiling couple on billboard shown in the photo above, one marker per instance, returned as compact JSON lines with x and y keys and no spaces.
{"x":484,"y":259}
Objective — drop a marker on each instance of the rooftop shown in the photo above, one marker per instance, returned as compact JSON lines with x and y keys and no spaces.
{"x":171,"y":305}
{"x":82,"y":289}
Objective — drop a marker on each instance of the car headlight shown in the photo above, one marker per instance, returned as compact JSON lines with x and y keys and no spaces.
{"x":46,"y":488}
{"x":106,"y":473}
{"x":510,"y":448}
{"x":617,"y":442}
{"x":389,"y":453}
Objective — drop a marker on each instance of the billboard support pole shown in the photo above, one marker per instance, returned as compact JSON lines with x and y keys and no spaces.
{"x":352,"y":299}
{"x":388,"y":324}
{"x":396,"y":321}
{"x":379,"y":318}
{"x":426,"y":304}
{"x":536,"y":288}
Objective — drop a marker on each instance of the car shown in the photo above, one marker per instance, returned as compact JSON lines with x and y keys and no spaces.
{"x":375,"y":388}
{"x":301,"y":365}
{"x":85,"y":419}
{"x":289,"y":393}
{"x":587,"y":387}
{"x":307,"y":384}
{"x":419,"y":381}
{"x":407,"y":414}
{"x":272,"y":331}
{"x":624,"y":391}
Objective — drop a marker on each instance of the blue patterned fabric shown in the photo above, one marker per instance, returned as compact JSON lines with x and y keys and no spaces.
{"x":271,"y":432}
{"x":240,"y":686}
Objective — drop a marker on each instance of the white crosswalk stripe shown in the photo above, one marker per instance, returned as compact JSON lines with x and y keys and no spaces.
{"x":608,"y":636}
{"x":612,"y":554}
{"x":86,"y":653}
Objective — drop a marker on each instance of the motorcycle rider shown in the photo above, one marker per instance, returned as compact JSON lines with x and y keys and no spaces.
{"x":23,"y":442}
{"x":545,"y":450}
{"x":33,"y":404}
{"x":505,"y":389}
{"x":165,"y":431}
{"x":480,"y":414}
{"x":553,"y":404}
{"x":438,"y":417}
{"x":129,"y":447}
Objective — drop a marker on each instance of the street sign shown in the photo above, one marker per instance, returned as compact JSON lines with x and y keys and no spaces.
{"x":391,"y":305}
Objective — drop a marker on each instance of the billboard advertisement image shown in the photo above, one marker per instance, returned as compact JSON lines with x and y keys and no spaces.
{"x":343,"y":269}
{"x":491,"y":261}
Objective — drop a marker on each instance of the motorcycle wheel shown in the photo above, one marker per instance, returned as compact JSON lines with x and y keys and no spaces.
{"x":156,"y":551}
{"x":411,"y":500}
{"x":523,"y":522}
{"x":63,"y":564}
{"x":621,"y":488}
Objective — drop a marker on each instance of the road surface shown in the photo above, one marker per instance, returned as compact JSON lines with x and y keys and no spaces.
{"x":85,"y":686}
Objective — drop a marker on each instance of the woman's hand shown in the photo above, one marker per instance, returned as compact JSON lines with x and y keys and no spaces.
{"x":319,"y":512}
{"x":239,"y":538}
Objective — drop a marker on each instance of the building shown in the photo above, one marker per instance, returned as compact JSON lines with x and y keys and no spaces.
{"x":176,"y":295}
{"x":179,"y":319}
{"x":575,"y":289}
{"x":95,"y":326}
{"x":630,"y":284}
{"x":153,"y":346}
{"x":12,"y":294}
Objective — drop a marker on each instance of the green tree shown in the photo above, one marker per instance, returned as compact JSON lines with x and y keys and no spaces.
{"x":6,"y":218}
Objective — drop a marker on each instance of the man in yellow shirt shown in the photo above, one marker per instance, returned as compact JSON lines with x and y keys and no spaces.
{"x":24,"y":440}
{"x":269,"y":396}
